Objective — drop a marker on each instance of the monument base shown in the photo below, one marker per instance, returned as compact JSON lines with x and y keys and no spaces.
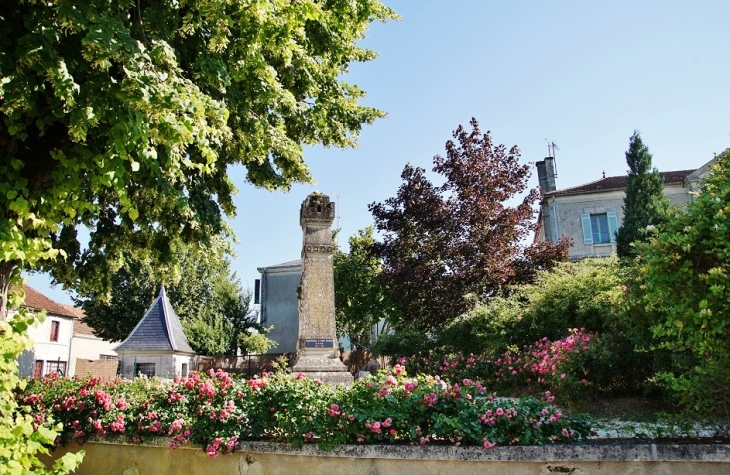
{"x":327,"y":368}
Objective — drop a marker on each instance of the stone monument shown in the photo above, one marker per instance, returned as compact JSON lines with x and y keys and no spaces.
{"x":317,"y":348}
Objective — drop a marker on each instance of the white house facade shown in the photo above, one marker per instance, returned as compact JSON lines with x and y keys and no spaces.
{"x":51,"y":352}
{"x":591,"y":214}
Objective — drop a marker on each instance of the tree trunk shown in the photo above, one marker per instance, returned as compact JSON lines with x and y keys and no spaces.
{"x":6,"y":273}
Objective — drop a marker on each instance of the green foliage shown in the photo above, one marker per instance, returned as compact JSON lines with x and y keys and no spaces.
{"x":361,"y":299}
{"x":24,"y":434}
{"x":683,"y":272}
{"x":584,"y":294}
{"x":645,"y":203}
{"x":215,"y":311}
{"x":387,"y":408}
{"x":588,"y":294}
{"x":124,"y":117}
{"x":403,"y":342}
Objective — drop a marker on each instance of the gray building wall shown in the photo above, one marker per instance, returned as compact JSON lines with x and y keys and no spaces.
{"x":167,"y":365}
{"x":561,"y":215}
{"x":280,"y":304}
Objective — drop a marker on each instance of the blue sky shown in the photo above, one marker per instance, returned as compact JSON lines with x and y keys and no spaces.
{"x":581,"y":74}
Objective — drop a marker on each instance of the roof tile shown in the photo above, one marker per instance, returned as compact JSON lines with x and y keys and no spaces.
{"x":619,"y":183}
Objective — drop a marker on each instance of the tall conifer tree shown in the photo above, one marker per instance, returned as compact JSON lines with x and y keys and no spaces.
{"x":645,"y":203}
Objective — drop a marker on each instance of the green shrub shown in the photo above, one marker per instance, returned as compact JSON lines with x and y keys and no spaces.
{"x":683,"y":274}
{"x":585,"y":294}
{"x":402,"y":343}
{"x":588,"y":294}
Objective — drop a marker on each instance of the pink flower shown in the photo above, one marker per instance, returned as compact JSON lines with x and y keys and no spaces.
{"x":488,"y":445}
{"x":499,"y":411}
{"x":334,"y":410}
{"x":562,"y":376}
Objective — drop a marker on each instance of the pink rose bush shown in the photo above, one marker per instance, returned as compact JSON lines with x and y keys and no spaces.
{"x":542,"y":365}
{"x":216,"y":411}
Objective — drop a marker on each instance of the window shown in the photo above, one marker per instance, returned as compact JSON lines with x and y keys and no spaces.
{"x":58,"y":367}
{"x":55,"y":327}
{"x":107,"y":357}
{"x":38,"y":369}
{"x":599,"y":228}
{"x":147,"y":369}
{"x":185,"y":370}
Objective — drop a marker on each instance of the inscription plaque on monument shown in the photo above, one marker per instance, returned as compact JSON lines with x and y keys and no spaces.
{"x":319,"y":343}
{"x":318,"y":355}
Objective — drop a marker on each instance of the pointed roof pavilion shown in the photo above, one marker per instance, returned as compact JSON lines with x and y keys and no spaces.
{"x":158,"y":330}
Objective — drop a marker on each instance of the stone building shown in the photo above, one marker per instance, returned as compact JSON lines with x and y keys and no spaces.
{"x":157,"y":346}
{"x":280,"y":304}
{"x":590,"y":214}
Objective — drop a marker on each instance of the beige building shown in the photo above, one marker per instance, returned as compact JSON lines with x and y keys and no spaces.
{"x":590,"y":214}
{"x":62,"y":341}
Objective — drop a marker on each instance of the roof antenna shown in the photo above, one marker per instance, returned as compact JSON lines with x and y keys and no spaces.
{"x":552,"y":147}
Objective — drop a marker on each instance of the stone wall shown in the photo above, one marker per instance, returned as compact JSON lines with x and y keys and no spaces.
{"x":264,"y":458}
{"x":106,"y":369}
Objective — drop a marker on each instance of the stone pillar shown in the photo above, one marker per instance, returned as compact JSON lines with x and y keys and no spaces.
{"x":317,"y":348}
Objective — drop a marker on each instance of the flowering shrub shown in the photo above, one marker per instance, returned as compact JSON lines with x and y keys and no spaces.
{"x":217,"y":412}
{"x":541,"y":365}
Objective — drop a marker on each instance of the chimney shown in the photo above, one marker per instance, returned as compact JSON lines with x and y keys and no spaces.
{"x":546,"y":175}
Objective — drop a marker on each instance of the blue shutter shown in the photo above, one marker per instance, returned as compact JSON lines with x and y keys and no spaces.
{"x":612,"y":225}
{"x":585,"y":220}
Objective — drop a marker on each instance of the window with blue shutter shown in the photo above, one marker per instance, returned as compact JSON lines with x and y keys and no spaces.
{"x":599,"y":228}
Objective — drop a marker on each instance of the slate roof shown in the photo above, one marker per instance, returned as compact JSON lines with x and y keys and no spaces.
{"x":612,"y":183}
{"x":158,"y":330}
{"x":297,"y":263}
{"x":38,"y":301}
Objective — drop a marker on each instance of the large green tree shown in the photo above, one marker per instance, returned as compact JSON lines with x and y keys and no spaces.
{"x":215,"y":311}
{"x":466,"y":236}
{"x":362,"y":302}
{"x":645,"y":203}
{"x":124,"y":117}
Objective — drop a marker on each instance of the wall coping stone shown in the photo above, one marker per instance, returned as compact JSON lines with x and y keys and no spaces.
{"x":590,"y":451}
